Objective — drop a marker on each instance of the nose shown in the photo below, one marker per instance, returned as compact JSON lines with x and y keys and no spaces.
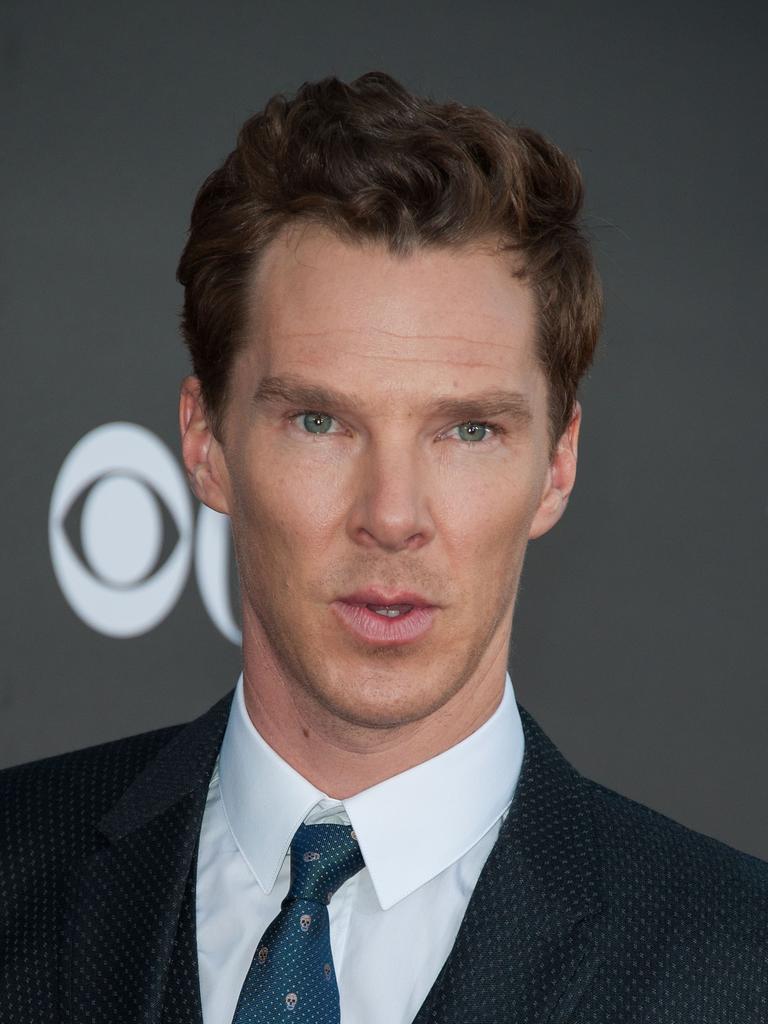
{"x":391,"y":509}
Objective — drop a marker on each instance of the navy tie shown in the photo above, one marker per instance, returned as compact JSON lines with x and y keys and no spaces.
{"x":291,"y":976}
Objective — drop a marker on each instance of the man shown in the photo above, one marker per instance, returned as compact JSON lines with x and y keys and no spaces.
{"x":389,"y":305}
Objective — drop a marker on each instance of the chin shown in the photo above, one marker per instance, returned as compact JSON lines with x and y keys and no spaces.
{"x":384,"y":715}
{"x":382,"y":703}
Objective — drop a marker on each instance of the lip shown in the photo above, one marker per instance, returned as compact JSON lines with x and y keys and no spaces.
{"x":381,"y":631}
{"x":381,"y":597}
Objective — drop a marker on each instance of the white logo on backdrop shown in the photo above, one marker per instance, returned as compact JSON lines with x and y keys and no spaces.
{"x":124,"y":470}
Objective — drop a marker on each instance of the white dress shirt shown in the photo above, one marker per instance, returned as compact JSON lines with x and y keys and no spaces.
{"x":425,"y":835}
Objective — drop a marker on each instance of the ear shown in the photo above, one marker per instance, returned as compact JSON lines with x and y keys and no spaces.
{"x":560,"y":478}
{"x":201,"y":451}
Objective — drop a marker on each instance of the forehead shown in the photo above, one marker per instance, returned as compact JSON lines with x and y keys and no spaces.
{"x":348,"y":311}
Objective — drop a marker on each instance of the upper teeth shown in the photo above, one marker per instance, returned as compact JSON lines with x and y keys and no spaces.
{"x":389,"y":610}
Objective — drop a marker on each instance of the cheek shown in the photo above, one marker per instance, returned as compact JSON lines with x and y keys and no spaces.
{"x":491,"y":513}
{"x":302,"y":505}
{"x":276,"y":521}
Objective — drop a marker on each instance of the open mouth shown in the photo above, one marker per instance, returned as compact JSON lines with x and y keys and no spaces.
{"x":390,"y":610}
{"x":386,"y":624}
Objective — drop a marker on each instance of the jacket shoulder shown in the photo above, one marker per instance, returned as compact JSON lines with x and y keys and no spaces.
{"x":694,"y":899}
{"x":644,"y":843}
{"x":49,"y":808}
{"x":685,"y":925}
{"x":49,"y":813}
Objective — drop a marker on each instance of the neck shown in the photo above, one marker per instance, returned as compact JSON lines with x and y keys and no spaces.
{"x":342,"y":758}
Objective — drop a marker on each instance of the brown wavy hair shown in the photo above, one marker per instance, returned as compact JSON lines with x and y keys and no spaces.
{"x":371,"y":161}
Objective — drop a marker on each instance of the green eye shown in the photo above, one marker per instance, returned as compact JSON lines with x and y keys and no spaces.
{"x":317,"y":422}
{"x":472,"y":431}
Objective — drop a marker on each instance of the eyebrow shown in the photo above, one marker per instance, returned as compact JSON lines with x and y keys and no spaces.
{"x":483,"y":405}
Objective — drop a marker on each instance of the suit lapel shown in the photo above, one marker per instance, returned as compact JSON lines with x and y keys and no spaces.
{"x":131,"y":904}
{"x":181,"y":1002}
{"x":523,"y":955}
{"x":526,"y":948}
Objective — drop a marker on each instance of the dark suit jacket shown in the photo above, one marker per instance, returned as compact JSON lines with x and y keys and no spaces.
{"x":590,"y":908}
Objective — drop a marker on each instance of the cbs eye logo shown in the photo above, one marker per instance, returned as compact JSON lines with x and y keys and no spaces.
{"x":122,"y":535}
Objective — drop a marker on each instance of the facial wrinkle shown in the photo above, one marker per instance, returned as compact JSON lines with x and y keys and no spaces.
{"x":335,"y":332}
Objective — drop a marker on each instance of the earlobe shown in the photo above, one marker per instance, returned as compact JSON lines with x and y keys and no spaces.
{"x":548,"y":513}
{"x":560,"y":480}
{"x":199,"y":449}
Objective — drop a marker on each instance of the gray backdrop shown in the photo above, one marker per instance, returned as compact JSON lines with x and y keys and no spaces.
{"x":640,"y":639}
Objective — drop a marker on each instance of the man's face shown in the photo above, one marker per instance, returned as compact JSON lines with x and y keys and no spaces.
{"x":385,"y":482}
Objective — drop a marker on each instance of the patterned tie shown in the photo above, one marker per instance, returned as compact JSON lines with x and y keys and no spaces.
{"x":292,"y":976}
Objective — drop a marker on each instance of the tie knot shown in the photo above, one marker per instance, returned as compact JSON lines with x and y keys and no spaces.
{"x":323,"y":857}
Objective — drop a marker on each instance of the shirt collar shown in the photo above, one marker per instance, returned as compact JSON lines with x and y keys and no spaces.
{"x":410,"y":827}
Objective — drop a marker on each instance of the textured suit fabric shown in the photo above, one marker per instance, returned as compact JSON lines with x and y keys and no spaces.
{"x":591,"y":907}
